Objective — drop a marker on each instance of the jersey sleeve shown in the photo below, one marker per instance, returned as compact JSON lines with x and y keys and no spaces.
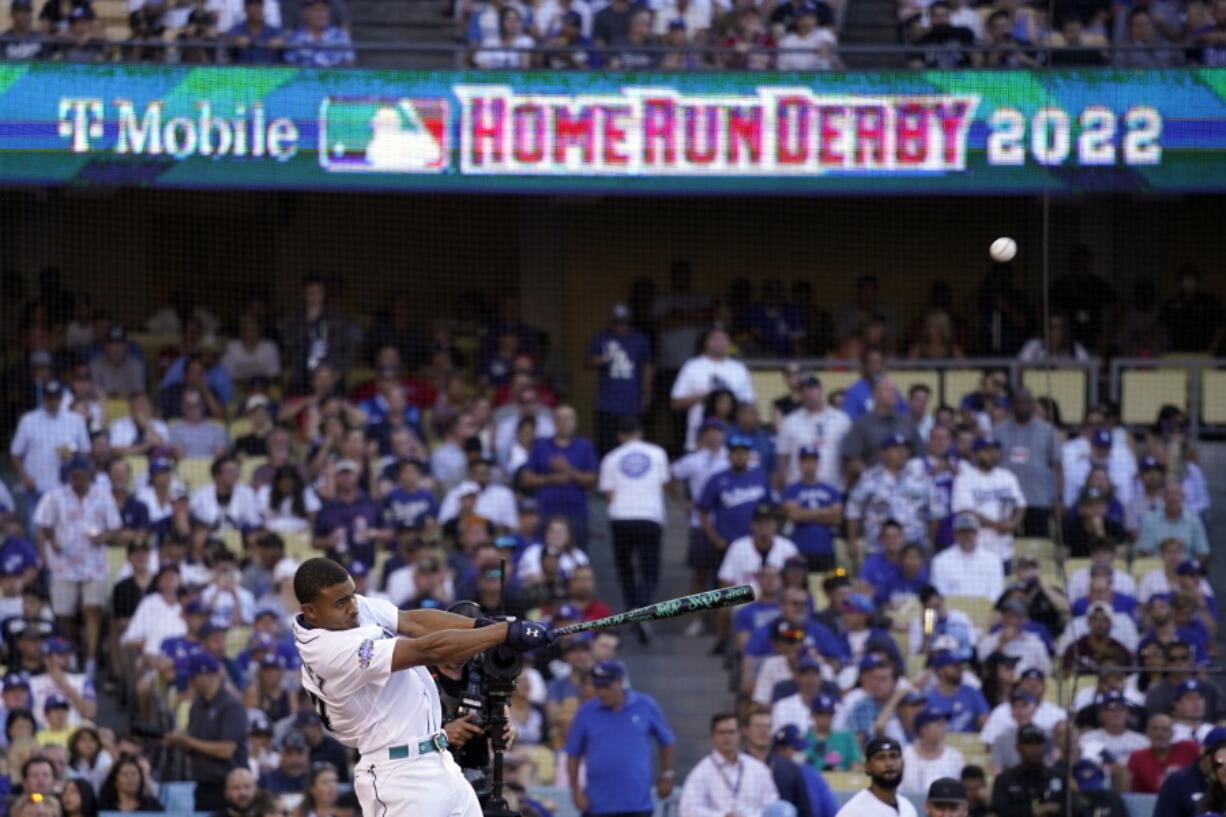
{"x":46,"y":511}
{"x":606,"y":482}
{"x":342,"y":662}
{"x":381,"y":612}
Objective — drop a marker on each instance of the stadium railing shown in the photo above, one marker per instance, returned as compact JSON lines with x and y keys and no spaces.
{"x":1194,"y":384}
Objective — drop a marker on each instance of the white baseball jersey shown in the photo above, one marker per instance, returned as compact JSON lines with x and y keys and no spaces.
{"x":348,"y":674}
{"x":995,"y":495}
{"x":824,"y":430}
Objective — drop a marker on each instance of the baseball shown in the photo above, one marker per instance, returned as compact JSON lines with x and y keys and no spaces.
{"x":1003,"y":249}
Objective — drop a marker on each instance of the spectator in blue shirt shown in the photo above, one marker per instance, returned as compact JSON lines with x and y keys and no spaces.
{"x":858,"y":637}
{"x":815,"y":509}
{"x":1182,"y":791}
{"x":349,"y":524}
{"x":409,"y":504}
{"x":858,"y":398}
{"x":729,"y":497}
{"x":777,"y":326}
{"x":562,"y":469}
{"x":911,"y":579}
{"x":622,"y":355}
{"x":749,"y":424}
{"x":612,"y":735}
{"x":762,"y":610}
{"x":795,"y":612}
{"x":318,"y":44}
{"x":253,"y":41}
{"x":965,"y":705}
{"x":884,"y":567}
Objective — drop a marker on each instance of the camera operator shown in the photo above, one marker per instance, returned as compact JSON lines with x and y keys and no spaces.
{"x":462,"y":729}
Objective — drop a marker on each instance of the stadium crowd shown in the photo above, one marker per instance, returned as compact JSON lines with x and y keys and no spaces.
{"x":910,"y":610}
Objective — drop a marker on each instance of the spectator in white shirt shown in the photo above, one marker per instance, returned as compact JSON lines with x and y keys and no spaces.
{"x":1013,"y":639}
{"x":929,"y":759}
{"x":230,"y":604}
{"x":287,"y":504}
{"x":509,"y":48}
{"x":557,"y":542}
{"x":967,"y":569}
{"x":196,"y":435}
{"x":527,"y":404}
{"x":808,"y":47}
{"x":226,"y":503}
{"x":1102,"y":554}
{"x":727,"y":781}
{"x":1097,"y":445}
{"x":994,"y":495}
{"x":1113,"y":733}
{"x":75,"y":524}
{"x":815,"y":424}
{"x":746,"y":556}
{"x":494,"y":502}
{"x":794,"y":710}
{"x":708,"y":372}
{"x":158,"y":616}
{"x":632,"y":480}
{"x":251,"y":354}
{"x":139,"y":431}
{"x":45,"y":437}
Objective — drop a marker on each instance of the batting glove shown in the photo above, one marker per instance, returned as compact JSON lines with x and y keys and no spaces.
{"x":526,"y":636}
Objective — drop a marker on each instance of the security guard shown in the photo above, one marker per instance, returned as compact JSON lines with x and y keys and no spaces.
{"x":1030,"y":789}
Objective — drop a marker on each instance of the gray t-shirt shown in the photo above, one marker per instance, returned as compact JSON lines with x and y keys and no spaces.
{"x":199,"y":439}
{"x":1030,"y":450}
{"x":868,"y":431}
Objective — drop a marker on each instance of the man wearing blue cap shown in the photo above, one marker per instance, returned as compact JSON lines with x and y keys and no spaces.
{"x":892,"y":489}
{"x":1113,"y":733}
{"x":964,"y":704}
{"x":1151,"y":479}
{"x":622,"y":355}
{"x":799,"y":783}
{"x":993,"y":495}
{"x":1182,"y":793}
{"x":613,"y":733}
{"x":75,"y":523}
{"x":216,"y":737}
{"x":815,"y":510}
{"x":1093,"y":798}
{"x":76,"y":688}
{"x":45,"y":437}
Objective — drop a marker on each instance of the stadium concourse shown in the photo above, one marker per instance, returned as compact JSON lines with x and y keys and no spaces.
{"x":941,"y":557}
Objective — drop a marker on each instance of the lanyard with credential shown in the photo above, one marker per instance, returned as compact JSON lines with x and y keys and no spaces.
{"x":736,"y":790}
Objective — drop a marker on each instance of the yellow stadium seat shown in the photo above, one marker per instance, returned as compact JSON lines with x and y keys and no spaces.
{"x":1144,"y":392}
{"x":904,"y":379}
{"x":233,"y":540}
{"x":1213,"y":397}
{"x":845,"y":781}
{"x":1066,"y":386}
{"x":115,"y":558}
{"x":298,"y":545}
{"x":194,"y":471}
{"x":240,"y":427}
{"x":139,"y":466}
{"x":836,"y":379}
{"x":957,"y":383}
{"x":357,"y":377}
{"x":1140,"y":567}
{"x":767,"y":386}
{"x":1051,"y":693}
{"x":113,"y":409}
{"x":250,"y":464}
{"x":1043,"y":550}
{"x":236,"y":640}
{"x":978,"y":608}
{"x":965,"y":742}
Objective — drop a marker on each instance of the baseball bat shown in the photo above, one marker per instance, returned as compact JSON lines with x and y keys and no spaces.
{"x":693,"y":603}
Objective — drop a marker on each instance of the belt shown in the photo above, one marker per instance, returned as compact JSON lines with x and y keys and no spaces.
{"x":434,"y":743}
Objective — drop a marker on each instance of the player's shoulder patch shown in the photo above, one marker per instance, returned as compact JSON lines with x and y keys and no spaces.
{"x":366,"y":653}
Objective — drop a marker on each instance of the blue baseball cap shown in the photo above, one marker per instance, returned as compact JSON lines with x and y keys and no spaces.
{"x":13,"y":680}
{"x":823,"y":704}
{"x":194,"y":607}
{"x":790,"y":737}
{"x":929,"y":715}
{"x":871,"y":662}
{"x":1190,"y":685}
{"x":56,"y":701}
{"x":160,"y":465}
{"x":1021,"y":695}
{"x":914,"y":698}
{"x":208,"y":629}
{"x":892,"y":440}
{"x":1189,"y":567}
{"x":1088,"y":775}
{"x":608,"y":672}
{"x":859,"y":603}
{"x":272,"y":661}
{"x":1215,"y":738}
{"x":712,"y":423}
{"x":56,"y":646}
{"x":985,"y":441}
{"x":261,"y":641}
{"x":1101,"y":438}
{"x":809,"y":452}
{"x":676,"y":23}
{"x":201,"y":663}
{"x":739,"y":441}
{"x":358,"y":568}
{"x":574,"y":18}
{"x":1150,"y":464}
{"x":78,"y":462}
{"x":1112,"y":698}
{"x":506,"y":541}
{"x":808,"y":662}
{"x":944,"y":658}
{"x":568,"y":612}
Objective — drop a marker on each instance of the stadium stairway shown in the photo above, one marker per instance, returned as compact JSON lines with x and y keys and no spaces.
{"x":689,"y":684}
{"x":870,"y":23}
{"x":414,"y":21}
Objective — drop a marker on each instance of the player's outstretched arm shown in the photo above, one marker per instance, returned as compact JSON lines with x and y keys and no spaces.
{"x":417,"y":623}
{"x":446,"y":646}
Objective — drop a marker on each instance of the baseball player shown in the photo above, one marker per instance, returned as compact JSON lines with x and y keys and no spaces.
{"x":364,"y":666}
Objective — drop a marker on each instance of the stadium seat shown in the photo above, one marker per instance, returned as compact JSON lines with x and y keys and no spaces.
{"x":239,"y":427}
{"x":298,"y":545}
{"x":904,"y":379}
{"x":113,"y":409}
{"x":767,"y":385}
{"x":357,"y":377}
{"x":250,"y":464}
{"x":152,"y":344}
{"x":1144,"y":392}
{"x":836,"y":379}
{"x":1066,"y":386}
{"x":233,"y":540}
{"x":180,"y":797}
{"x":236,"y":639}
{"x":1140,"y":567}
{"x":1042,"y":550}
{"x":115,"y":558}
{"x":1071,"y":566}
{"x":978,"y":608}
{"x":194,"y":471}
{"x":1213,"y":397}
{"x":139,"y":466}
{"x":957,"y":383}
{"x":965,"y":742}
{"x":845,"y":781}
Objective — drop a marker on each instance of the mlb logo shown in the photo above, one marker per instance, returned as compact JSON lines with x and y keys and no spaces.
{"x":383,"y":135}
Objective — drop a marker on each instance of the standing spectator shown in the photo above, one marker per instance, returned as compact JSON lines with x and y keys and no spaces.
{"x":1096,"y":447}
{"x":623,"y":357}
{"x":893,"y":489}
{"x":1031,"y":452}
{"x":815,"y":510}
{"x":861,"y":395}
{"x":1031,"y":788}
{"x":730,"y":498}
{"x":117,"y":372}
{"x":679,"y":314}
{"x":45,"y":438}
{"x":197,"y":435}
{"x":1194,"y":317}
{"x":315,"y":332}
{"x":216,"y":737}
{"x":569,"y":48}
{"x":727,"y":781}
{"x":868,"y":305}
{"x":994,"y":496}
{"x":869,"y":432}
{"x":612,"y":734}
{"x":611,"y":25}
{"x":693,"y":471}
{"x":632,"y":479}
{"x":966,"y":569}
{"x":1007,"y":316}
{"x":710,"y":371}
{"x":884,"y":765}
{"x":562,"y":470}
{"x":814,"y":424}
{"x":1056,"y":346}
{"x":251,"y":354}
{"x":139,"y":431}
{"x":292,"y":12}
{"x":510,"y":47}
{"x":808,"y":47}
{"x":1150,"y":48}
{"x":348,"y":526}
{"x":493,"y":501}
{"x":75,"y":523}
{"x":1174,"y":521}
{"x":1083,"y":296}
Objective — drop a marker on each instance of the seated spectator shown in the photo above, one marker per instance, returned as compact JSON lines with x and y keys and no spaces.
{"x":1149,"y":766}
{"x":568,"y":46}
{"x":251,"y":354}
{"x":582,"y":589}
{"x":287,"y":505}
{"x":680,"y":55}
{"x":1189,"y":714}
{"x":1092,"y":643}
{"x":139,"y":431}
{"x":1150,"y":39}
{"x":1174,"y":521}
{"x":23,"y":41}
{"x":858,"y":635}
{"x":196,"y":435}
{"x":1088,"y":522}
{"x":509,"y":48}
{"x":808,"y":46}
{"x":966,"y":569}
{"x":829,"y":749}
{"x":748,"y":46}
{"x":549,"y":18}
{"x":1102,"y":553}
{"x":1113,"y":733}
{"x":125,"y":788}
{"x":945,"y":46}
{"x":349,"y":525}
{"x":81,"y":42}
{"x":1100,"y":592}
{"x":794,"y":710}
{"x":290,"y":777}
{"x":1073,"y":47}
{"x":1002,"y":48}
{"x":318,"y":44}
{"x":225,"y":503}
{"x":199,"y":368}
{"x":1004,"y":749}
{"x":1211,"y":38}
{"x":1014,"y":638}
{"x":631,"y":50}
{"x":493,"y":502}
{"x":929,"y":758}
{"x":879,"y":681}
